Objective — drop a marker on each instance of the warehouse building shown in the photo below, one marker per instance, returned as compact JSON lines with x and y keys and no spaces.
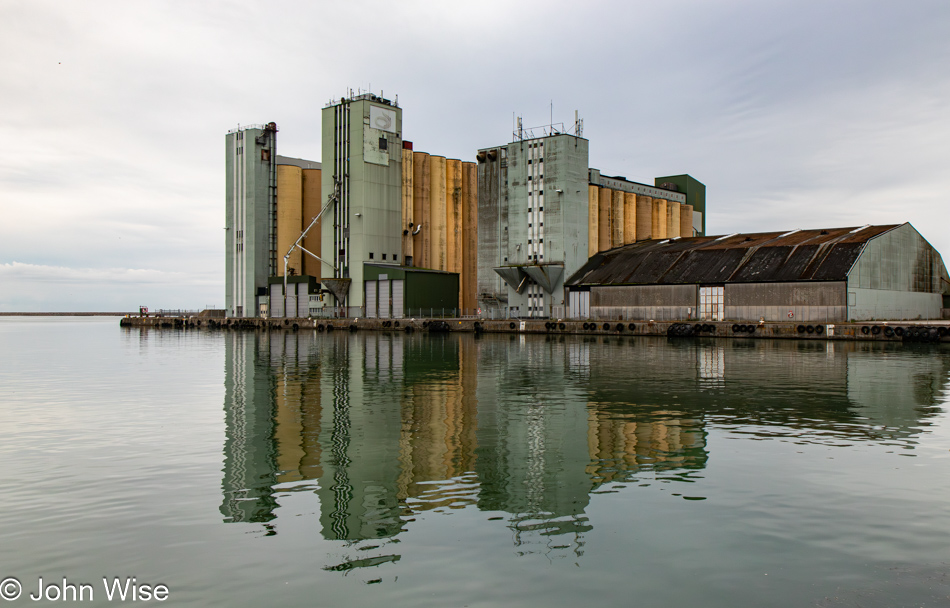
{"x":832,"y":275}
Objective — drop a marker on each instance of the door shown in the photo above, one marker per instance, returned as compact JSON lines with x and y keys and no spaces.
{"x":370,"y":299}
{"x":383,"y":297}
{"x":303,"y":300}
{"x":711,"y":306}
{"x":398,"y":312}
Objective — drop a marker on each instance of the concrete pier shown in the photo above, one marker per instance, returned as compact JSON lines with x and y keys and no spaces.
{"x":893,"y":331}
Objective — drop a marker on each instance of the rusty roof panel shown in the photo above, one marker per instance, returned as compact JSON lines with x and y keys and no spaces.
{"x":838,"y":262}
{"x":704,"y":266}
{"x":802,"y":255}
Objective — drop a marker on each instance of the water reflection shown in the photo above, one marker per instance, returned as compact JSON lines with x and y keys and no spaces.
{"x":382,"y":427}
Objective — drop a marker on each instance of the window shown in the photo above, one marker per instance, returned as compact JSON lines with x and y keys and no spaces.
{"x":370,"y":255}
{"x":384,"y":257}
{"x":383,"y":145}
{"x":395,"y":258}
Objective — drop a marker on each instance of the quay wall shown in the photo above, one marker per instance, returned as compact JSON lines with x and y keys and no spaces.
{"x":922,"y":331}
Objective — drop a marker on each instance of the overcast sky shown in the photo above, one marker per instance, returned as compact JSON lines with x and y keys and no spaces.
{"x":794,"y":115}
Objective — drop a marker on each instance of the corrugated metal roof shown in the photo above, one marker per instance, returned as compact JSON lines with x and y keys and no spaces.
{"x":801,"y":255}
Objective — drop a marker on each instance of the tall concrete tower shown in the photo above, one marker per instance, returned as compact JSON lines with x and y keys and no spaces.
{"x":532,"y":222}
{"x":362,"y":154}
{"x":251,"y":216}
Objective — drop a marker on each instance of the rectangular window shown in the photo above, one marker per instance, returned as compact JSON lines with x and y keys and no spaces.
{"x":395,"y":258}
{"x":384,"y":257}
{"x":370,"y":254}
{"x":383,"y":143}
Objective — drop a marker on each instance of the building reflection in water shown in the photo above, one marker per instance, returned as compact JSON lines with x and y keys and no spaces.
{"x":386,"y":426}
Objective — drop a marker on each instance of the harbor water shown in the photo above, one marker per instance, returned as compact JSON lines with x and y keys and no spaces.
{"x":281,"y":468}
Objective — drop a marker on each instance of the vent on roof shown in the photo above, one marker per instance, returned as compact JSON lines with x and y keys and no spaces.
{"x":856,"y":230}
{"x":728,"y":236}
{"x":789,"y":233}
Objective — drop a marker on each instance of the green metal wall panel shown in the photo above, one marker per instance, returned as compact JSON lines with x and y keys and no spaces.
{"x":694,"y":190}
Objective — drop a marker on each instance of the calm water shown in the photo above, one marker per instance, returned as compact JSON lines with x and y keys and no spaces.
{"x":369,"y":469}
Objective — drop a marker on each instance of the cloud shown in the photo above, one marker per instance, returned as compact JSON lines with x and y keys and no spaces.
{"x":793,"y":114}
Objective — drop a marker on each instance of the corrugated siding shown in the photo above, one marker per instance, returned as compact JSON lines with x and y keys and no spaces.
{"x":900,"y":260}
{"x":644,"y":295}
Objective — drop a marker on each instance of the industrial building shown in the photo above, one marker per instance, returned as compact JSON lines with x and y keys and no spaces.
{"x":410,"y":210}
{"x":542,"y":212}
{"x":250,"y":217}
{"x":378,"y":202}
{"x":529,"y":230}
{"x":268,"y":199}
{"x":831,"y":275}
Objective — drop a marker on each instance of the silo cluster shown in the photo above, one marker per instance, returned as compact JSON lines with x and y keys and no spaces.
{"x":617,"y":218}
{"x":439,"y":213}
{"x":298,"y":202}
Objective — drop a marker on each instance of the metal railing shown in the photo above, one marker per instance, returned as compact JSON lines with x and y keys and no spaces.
{"x":174,"y":313}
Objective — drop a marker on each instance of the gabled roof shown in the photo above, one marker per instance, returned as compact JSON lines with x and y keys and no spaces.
{"x":798,"y":255}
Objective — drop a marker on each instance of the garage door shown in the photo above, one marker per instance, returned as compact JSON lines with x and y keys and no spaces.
{"x":398,"y":311}
{"x":370,"y":299}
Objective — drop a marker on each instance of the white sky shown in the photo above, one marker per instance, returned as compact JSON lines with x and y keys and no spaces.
{"x":794,"y":114}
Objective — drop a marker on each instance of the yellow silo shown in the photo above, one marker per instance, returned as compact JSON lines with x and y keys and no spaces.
{"x":673,"y":225}
{"x":644,"y":217}
{"x":453,"y":215}
{"x":437,"y":212}
{"x":421,"y":208}
{"x":603,"y":226}
{"x":469,"y":278}
{"x":616,"y":218}
{"x":629,"y":218}
{"x":659,"y":218}
{"x":593,"y":220}
{"x":686,"y":221}
{"x":289,"y":213}
{"x":312,"y":203}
